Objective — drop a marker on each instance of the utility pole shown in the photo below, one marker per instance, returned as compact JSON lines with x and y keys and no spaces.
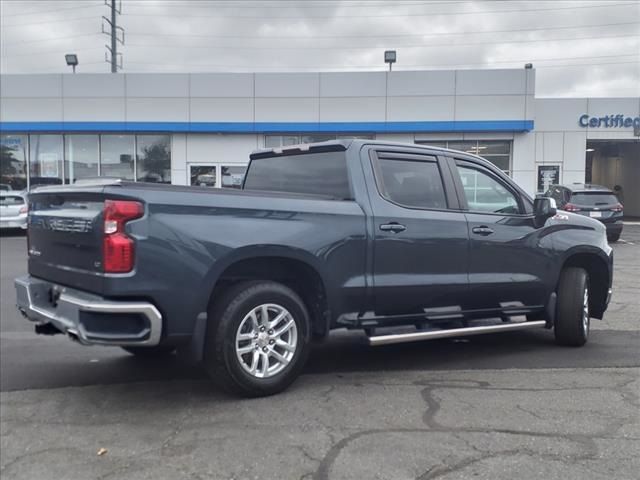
{"x":112,"y":30}
{"x":114,"y":43}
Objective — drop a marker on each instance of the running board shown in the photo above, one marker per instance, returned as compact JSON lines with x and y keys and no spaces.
{"x":454,"y":332}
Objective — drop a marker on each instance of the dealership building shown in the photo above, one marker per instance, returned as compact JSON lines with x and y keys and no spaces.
{"x":198,"y":129}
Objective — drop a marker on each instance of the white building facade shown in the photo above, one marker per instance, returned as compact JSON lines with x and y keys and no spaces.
{"x":200,"y":128}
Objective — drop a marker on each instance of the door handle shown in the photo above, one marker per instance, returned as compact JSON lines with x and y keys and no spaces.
{"x":483,"y":230}
{"x":392,"y":227}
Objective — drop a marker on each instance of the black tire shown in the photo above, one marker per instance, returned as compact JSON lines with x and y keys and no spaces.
{"x":151,"y":352}
{"x":224,"y":321}
{"x":614,"y":237}
{"x":572,"y":319}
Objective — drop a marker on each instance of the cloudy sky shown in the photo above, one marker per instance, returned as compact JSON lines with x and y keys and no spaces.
{"x":580,"y":48}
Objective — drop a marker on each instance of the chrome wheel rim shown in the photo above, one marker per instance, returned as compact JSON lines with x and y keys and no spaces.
{"x":585,"y":312}
{"x":266,"y":340}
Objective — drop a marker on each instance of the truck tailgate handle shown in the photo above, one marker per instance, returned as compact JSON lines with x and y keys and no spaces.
{"x":392,"y":227}
{"x":483,"y":230}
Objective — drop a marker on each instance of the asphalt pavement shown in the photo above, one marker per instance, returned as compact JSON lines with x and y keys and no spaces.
{"x":497,"y":406}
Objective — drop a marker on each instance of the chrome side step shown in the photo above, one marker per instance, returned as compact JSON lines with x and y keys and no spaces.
{"x":454,"y":332}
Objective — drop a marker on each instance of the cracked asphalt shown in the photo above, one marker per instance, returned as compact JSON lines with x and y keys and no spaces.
{"x":491,"y":407}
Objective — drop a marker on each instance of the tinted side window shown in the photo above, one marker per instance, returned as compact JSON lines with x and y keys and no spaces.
{"x":556,"y":194}
{"x":416,"y":184}
{"x":486,"y":194}
{"x":312,"y":173}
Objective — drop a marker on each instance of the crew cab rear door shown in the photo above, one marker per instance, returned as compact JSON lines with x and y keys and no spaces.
{"x":420,"y":244}
{"x":508,"y":257}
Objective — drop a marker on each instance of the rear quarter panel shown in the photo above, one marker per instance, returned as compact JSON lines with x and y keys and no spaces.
{"x":188,"y":238}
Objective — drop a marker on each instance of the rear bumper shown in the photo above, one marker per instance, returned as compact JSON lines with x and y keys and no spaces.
{"x":87,"y":317}
{"x":14,"y":222}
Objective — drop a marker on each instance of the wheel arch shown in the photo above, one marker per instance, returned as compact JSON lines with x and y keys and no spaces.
{"x":599,"y":273}
{"x":297,"y":269}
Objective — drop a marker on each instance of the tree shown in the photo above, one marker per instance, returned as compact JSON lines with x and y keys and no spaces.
{"x":154,"y":162}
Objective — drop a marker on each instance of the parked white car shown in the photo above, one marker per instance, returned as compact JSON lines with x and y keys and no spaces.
{"x":13,"y":210}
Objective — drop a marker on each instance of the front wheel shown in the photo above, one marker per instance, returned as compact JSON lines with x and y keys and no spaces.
{"x":572,"y":315}
{"x":258,"y":338}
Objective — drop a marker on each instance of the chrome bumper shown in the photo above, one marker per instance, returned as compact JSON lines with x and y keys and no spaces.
{"x":65,"y":313}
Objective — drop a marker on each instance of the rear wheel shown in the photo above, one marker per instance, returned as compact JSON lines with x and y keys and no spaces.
{"x":258,"y":338}
{"x":614,"y":237}
{"x":572,"y":316}
{"x":149,"y":352}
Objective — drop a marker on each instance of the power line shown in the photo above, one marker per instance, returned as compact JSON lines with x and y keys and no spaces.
{"x":514,"y":60}
{"x":49,"y":52}
{"x":378,"y":67}
{"x":342,"y":47}
{"x":51,"y":39}
{"x":306,"y":5}
{"x":75,"y":7}
{"x":388,"y":15}
{"x":312,"y":37}
{"x":73,"y":19}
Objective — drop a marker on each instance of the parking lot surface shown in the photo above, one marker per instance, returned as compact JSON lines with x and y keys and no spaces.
{"x":487,"y":407}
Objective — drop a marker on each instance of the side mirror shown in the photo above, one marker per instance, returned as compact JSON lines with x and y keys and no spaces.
{"x":543,"y":208}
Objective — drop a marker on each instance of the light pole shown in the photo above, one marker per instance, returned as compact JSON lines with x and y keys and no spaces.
{"x":72,"y":60}
{"x":390,"y":57}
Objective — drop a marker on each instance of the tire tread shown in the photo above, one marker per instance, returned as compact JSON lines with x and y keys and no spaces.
{"x":568,"y":325}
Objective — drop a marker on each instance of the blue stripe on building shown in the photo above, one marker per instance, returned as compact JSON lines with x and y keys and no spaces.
{"x":272,"y":127}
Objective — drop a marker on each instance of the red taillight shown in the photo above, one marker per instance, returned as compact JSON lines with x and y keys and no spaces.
{"x":119,"y":249}
{"x":617,"y":208}
{"x":24,"y":209}
{"x":570,"y":207}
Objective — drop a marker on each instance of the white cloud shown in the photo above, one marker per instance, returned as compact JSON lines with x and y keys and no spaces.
{"x":183,"y":36}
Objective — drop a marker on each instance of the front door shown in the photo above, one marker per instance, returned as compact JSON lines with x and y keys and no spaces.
{"x":420,"y":249}
{"x":508,"y":256}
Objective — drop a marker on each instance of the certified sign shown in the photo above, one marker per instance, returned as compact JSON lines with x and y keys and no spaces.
{"x":609,"y":121}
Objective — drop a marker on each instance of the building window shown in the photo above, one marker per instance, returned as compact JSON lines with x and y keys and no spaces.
{"x":275,"y":141}
{"x":82,"y":155}
{"x":316,"y":137}
{"x":153,"y":163}
{"x":203,"y":175}
{"x":45,"y":160}
{"x":497,"y":152}
{"x":117,"y":156}
{"x":13,"y":162}
{"x":232,"y":176}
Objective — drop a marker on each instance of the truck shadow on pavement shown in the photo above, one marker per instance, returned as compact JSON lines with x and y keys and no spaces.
{"x":347,"y":352}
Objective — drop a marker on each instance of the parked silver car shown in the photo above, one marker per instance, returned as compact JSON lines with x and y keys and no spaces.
{"x":13,"y":209}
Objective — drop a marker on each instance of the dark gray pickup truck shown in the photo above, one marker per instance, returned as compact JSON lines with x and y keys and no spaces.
{"x":349,"y":234}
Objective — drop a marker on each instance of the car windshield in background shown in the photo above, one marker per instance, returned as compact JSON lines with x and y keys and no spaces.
{"x":8,"y":200}
{"x":311,"y":173}
{"x":594,"y":199}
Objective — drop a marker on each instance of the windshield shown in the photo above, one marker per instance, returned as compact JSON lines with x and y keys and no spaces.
{"x":594,"y":199}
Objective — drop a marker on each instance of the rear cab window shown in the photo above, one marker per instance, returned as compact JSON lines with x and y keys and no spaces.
{"x":323,"y":173}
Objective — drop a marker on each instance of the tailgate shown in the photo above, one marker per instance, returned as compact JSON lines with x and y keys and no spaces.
{"x":65,"y":238}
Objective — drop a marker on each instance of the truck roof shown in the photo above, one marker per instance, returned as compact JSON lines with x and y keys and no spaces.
{"x":340,"y":145}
